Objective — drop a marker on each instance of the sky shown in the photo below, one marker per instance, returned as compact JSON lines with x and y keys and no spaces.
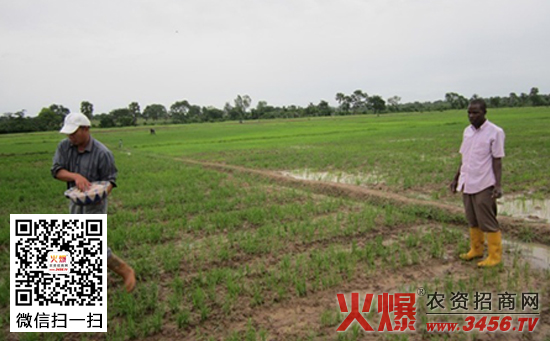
{"x":284,"y":52}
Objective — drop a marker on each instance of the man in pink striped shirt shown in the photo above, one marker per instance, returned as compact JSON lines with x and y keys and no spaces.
{"x":479,"y":179}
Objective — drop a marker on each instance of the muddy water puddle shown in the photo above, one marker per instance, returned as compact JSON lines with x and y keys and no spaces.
{"x":337,"y":177}
{"x":537,"y":255}
{"x":530,"y":209}
{"x":537,"y":210}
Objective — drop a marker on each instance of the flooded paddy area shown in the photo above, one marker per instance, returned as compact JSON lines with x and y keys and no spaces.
{"x":359,"y":179}
{"x":537,"y":255}
{"x":521,"y":207}
{"x":533,"y":210}
{"x":516,"y":206}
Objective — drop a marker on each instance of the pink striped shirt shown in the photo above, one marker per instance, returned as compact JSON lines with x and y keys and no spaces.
{"x":479,"y":147}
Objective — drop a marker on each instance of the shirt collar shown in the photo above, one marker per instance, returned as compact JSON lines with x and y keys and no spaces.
{"x":91,"y":143}
{"x":480,"y":127}
{"x":88,"y":147}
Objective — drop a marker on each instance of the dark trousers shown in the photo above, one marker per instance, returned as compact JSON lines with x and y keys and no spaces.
{"x":481,"y":210}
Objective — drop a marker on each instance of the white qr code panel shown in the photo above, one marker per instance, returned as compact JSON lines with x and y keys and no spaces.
{"x":58,"y":272}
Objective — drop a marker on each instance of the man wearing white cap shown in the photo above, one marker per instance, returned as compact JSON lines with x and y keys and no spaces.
{"x":79,"y":160}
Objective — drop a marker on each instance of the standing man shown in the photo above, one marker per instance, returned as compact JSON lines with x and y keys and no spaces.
{"x":79,"y":160}
{"x":479,"y":179}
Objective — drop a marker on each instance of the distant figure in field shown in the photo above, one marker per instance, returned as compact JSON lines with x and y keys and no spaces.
{"x":478,"y":178}
{"x":152,"y":131}
{"x":120,"y":144}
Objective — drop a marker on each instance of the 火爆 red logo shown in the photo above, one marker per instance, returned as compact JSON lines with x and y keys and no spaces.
{"x":401,"y":304}
{"x":60,"y":262}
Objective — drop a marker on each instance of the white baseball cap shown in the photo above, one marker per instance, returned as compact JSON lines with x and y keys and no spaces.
{"x":73,"y":121}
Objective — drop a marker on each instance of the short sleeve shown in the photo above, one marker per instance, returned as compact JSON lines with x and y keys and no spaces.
{"x":59,"y":159}
{"x":464,"y":141}
{"x":107,"y":168}
{"x":497,"y":147}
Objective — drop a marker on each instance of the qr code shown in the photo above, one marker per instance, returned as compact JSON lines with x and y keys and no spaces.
{"x":58,"y":272}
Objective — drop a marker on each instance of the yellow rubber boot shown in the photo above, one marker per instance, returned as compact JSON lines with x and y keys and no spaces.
{"x":494,"y":240}
{"x":124,"y":270}
{"x":477,"y":238}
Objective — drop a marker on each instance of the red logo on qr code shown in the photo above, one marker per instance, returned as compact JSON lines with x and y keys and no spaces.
{"x":58,"y":262}
{"x":58,"y":273}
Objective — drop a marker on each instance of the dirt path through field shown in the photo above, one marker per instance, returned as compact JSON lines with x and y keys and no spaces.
{"x":454,"y":213}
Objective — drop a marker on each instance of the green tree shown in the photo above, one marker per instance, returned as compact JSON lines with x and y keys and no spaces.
{"x":456,"y":101}
{"x":18,"y":123}
{"x":212,"y":114}
{"x":324,"y":109}
{"x":494,"y":101}
{"x":311,"y":110}
{"x":179,"y":111}
{"x":293,"y":111}
{"x":344,"y":102}
{"x":534,"y":97}
{"x":230,"y":112}
{"x":122,"y":117}
{"x":393,"y":103}
{"x":106,"y":121}
{"x":155,"y":112}
{"x":135,"y":111}
{"x":262,"y":110}
{"x":513,"y":100}
{"x":59,"y":110}
{"x":241,"y":105}
{"x":359,"y":101}
{"x":377,"y":104}
{"x":49,"y":120}
{"x":523,"y":99}
{"x":87,"y":109}
{"x":194,"y":114}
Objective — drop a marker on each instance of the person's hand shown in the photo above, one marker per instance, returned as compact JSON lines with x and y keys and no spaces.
{"x":453,"y":185}
{"x":497,"y":192}
{"x":109,"y":188}
{"x":82,"y":183}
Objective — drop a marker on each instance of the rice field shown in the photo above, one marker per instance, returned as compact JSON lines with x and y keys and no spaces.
{"x":249,"y":231}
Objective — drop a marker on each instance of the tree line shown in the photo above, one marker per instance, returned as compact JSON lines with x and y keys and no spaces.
{"x":358,"y":102}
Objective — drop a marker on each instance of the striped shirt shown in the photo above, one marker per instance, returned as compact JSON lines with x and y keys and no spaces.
{"x":95,"y":163}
